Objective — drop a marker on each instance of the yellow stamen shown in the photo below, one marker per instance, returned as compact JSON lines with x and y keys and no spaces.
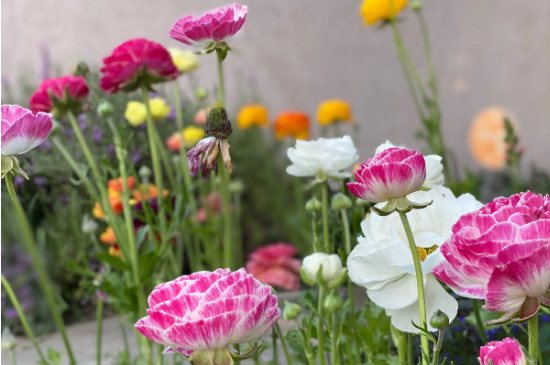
{"x":423,"y":252}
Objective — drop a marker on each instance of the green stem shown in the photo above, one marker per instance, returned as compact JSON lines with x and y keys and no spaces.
{"x":346,"y":229}
{"x":221,"y":84}
{"x":165,"y":160}
{"x":228,"y":260}
{"x":428,"y":54}
{"x":320,"y":329}
{"x":479,"y":322}
{"x":22,"y":317}
{"x":438,"y":346}
{"x":99,"y":320}
{"x":326,"y":238}
{"x":334,"y":340}
{"x":533,"y":329}
{"x":401,"y":345}
{"x":274,"y":346}
{"x":12,"y":357}
{"x":124,"y":336}
{"x":238,"y":243}
{"x":283,"y":342}
{"x":420,"y":287}
{"x":314,"y":231}
{"x":43,"y":277}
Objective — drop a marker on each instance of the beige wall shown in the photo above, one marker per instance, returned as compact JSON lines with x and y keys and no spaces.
{"x":299,"y":52}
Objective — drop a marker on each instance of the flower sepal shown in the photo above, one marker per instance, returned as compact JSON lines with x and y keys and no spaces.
{"x":212,"y":357}
{"x":62,"y":105}
{"x":247,"y":354}
{"x":221,"y":47}
{"x":401,"y":204}
{"x":11,"y":164}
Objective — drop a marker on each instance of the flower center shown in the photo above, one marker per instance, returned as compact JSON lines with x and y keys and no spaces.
{"x":423,"y":252}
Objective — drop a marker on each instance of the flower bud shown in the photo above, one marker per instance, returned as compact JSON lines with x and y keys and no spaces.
{"x":82,"y":69}
{"x":415,"y":5}
{"x":236,"y":187}
{"x":340,"y":201}
{"x":439,"y":320}
{"x":105,"y":109}
{"x":218,"y":124}
{"x":291,"y":310}
{"x":144,"y":172}
{"x":313,"y":205}
{"x":201,"y":93}
{"x":333,"y":302}
{"x":322,"y":268}
{"x":89,"y":226}
{"x":9,"y":341}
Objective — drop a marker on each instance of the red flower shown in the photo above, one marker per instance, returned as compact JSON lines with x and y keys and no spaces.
{"x":275,"y":265}
{"x":134,"y":63}
{"x":68,"y":93}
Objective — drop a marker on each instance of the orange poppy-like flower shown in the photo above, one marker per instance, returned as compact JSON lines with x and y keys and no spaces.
{"x":114,"y":250}
{"x":375,"y":10}
{"x":97,"y":212}
{"x":108,"y":237}
{"x":292,"y":124}
{"x":332,"y":111}
{"x":251,"y":115}
{"x":146,"y":192}
{"x":487,"y":138}
{"x":115,"y":185}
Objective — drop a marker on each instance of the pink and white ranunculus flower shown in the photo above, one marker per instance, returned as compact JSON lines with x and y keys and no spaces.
{"x":501,"y":253}
{"x":329,"y":156}
{"x":505,"y":352}
{"x":206,"y":311}
{"x":276,"y":265}
{"x":434,"y":167}
{"x":393,"y":173}
{"x":214,"y":26}
{"x":382,"y":261}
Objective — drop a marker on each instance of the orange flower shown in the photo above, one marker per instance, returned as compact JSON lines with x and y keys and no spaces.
{"x":487,"y":138}
{"x":292,"y":123}
{"x":108,"y":237}
{"x":174,"y":141}
{"x":250,"y":115}
{"x":332,"y":111}
{"x":97,"y":212}
{"x":114,"y":250}
{"x":146,"y":191}
{"x":115,"y":185}
{"x":376,"y":10}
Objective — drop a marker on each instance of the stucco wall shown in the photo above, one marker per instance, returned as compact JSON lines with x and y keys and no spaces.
{"x":299,"y":52}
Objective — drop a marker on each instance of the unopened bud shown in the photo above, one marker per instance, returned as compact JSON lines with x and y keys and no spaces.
{"x":333,"y":302}
{"x":439,"y":320}
{"x":201,"y":93}
{"x":218,"y":124}
{"x":144,"y":172}
{"x":324,"y":269}
{"x":105,"y":109}
{"x":81,"y":69}
{"x":291,"y":310}
{"x":313,"y":205}
{"x":9,"y":341}
{"x":236,"y":187}
{"x":340,"y":201}
{"x":415,"y":5}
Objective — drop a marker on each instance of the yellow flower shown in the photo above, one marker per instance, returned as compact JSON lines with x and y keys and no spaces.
{"x":185,"y":61}
{"x":376,"y":10}
{"x":250,"y":115}
{"x":332,"y":111}
{"x":192,"y":135}
{"x":136,"y":113}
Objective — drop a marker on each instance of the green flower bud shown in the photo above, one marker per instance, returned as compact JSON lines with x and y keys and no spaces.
{"x":340,"y":201}
{"x":439,"y":320}
{"x":313,"y":205}
{"x":81,"y":69}
{"x":291,"y":310}
{"x":415,"y":5}
{"x":201,"y":93}
{"x":218,"y":124}
{"x":236,"y":187}
{"x":105,"y":109}
{"x":144,"y":172}
{"x":333,"y":302}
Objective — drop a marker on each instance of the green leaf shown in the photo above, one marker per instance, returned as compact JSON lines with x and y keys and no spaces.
{"x":114,"y":261}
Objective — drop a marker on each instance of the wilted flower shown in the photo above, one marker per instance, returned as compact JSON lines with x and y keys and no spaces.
{"x":501,"y":253}
{"x":393,"y":173}
{"x":505,"y":352}
{"x":375,"y":10}
{"x":332,"y":111}
{"x":135,"y":63}
{"x":434,"y":167}
{"x":214,"y":26}
{"x":205,"y":312}
{"x":60,"y":95}
{"x":186,"y":61}
{"x":291,"y":124}
{"x":21,"y":132}
{"x":332,"y":273}
{"x":382,"y":261}
{"x":275,"y":265}
{"x":328,"y":157}
{"x":251,"y":115}
{"x":136,"y":112}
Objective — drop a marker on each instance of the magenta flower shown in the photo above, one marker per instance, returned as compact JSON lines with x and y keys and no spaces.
{"x":135,"y":63}
{"x":214,"y":26}
{"x":501,"y":253}
{"x":275,"y":265}
{"x":505,"y":352}
{"x":59,"y":95}
{"x":206,"y":311}
{"x":393,"y":173}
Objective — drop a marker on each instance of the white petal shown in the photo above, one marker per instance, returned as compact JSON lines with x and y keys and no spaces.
{"x":396,"y":294}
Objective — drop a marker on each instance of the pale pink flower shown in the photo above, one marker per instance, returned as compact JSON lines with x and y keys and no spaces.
{"x":393,"y":173}
{"x":505,"y":352}
{"x":208,"y":311}
{"x":501,"y":253}
{"x":214,"y":26}
{"x":275,"y":265}
{"x":22,"y":130}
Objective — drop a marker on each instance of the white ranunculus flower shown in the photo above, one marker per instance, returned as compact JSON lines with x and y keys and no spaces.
{"x":382,"y":261}
{"x":328,"y":155}
{"x":332,"y":266}
{"x":434,"y":167}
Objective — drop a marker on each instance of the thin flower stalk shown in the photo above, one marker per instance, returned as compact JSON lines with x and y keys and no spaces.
{"x":533,"y":335}
{"x":324,"y":202}
{"x":22,"y":318}
{"x":420,"y":286}
{"x":438,"y":346}
{"x":320,"y":324}
{"x":99,"y":330}
{"x":283,"y":342}
{"x":479,"y":322}
{"x":38,"y":263}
